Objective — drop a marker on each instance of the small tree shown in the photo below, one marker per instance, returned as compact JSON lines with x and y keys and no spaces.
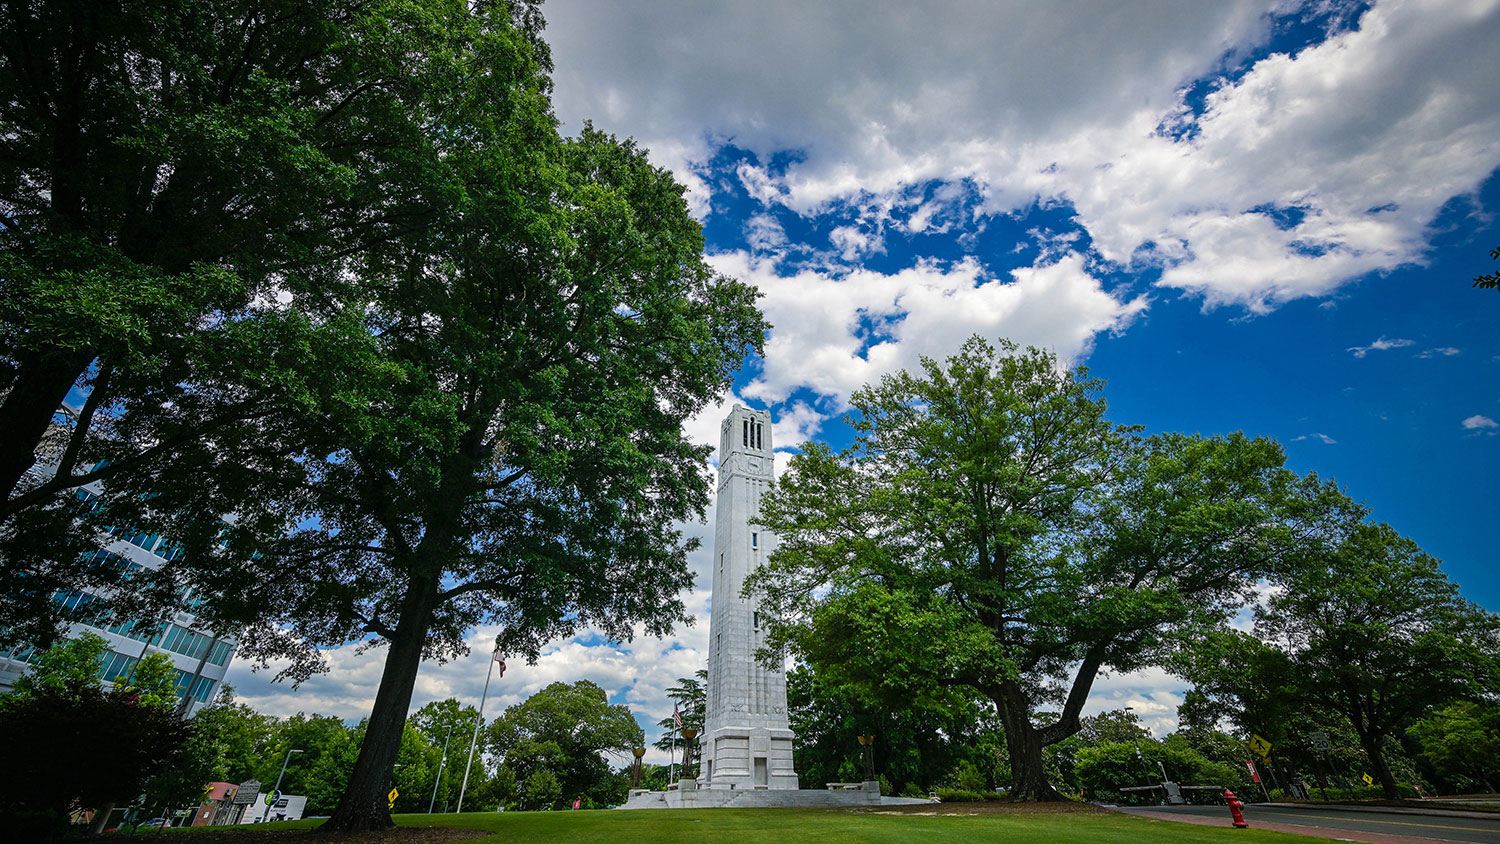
{"x":690,"y":697}
{"x":540,"y":791}
{"x":69,"y":742}
{"x":1379,"y":634}
{"x":448,"y":722}
{"x":1462,"y":741}
{"x":565,"y":730}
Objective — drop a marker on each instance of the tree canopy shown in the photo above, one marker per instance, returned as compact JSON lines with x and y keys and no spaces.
{"x":1378,"y":634}
{"x":991,"y":528}
{"x":183,"y":187}
{"x":1489,"y":281}
{"x":555,"y":743}
{"x":482,"y":422}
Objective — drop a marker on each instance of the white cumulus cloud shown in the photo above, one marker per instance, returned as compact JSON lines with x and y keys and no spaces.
{"x":1288,"y":180}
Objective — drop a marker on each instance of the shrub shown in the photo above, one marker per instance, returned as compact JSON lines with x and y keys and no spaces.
{"x":1373,"y":792}
{"x":959,"y":795}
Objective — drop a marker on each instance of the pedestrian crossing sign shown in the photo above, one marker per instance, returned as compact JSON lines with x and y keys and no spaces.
{"x":393,"y":795}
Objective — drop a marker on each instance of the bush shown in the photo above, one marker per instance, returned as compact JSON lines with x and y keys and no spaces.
{"x":542,"y":791}
{"x":1107,"y":767}
{"x":33,"y":824}
{"x":912,"y":790}
{"x":959,"y":795}
{"x":1373,"y":792}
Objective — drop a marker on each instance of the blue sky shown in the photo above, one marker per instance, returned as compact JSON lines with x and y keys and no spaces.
{"x":1257,"y":216}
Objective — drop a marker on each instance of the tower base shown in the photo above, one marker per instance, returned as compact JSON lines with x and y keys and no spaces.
{"x":748,"y":758}
{"x":837,"y":795}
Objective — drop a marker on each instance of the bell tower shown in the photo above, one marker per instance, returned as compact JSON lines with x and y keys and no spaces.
{"x":747,"y":740}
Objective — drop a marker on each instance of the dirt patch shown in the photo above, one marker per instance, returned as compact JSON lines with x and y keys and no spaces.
{"x":398,"y":835}
{"x":990,"y":808}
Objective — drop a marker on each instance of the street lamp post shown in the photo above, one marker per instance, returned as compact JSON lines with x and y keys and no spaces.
{"x":688,"y":734}
{"x":1139,"y":757}
{"x":441,"y":765}
{"x":635,"y":771}
{"x":277,"y":789}
{"x":868,"y":743}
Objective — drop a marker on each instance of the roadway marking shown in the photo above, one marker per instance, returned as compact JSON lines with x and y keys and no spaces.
{"x":1395,"y":823}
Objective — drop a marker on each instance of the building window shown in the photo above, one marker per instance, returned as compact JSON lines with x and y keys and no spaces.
{"x":745,"y":432}
{"x":757,"y":621}
{"x":754,"y":540}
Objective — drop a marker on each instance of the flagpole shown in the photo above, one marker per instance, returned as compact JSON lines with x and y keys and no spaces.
{"x":477,"y":721}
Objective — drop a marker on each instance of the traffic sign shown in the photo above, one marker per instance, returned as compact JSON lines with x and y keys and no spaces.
{"x":1369,"y":780}
{"x":393,"y":795}
{"x":1260,"y":746}
{"x":247,"y":792}
{"x":272,"y":797}
{"x":1319,"y":741}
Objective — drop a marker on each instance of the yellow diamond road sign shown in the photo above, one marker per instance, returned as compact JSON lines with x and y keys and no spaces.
{"x":1369,"y":780}
{"x":1260,"y":745}
{"x":393,"y":795}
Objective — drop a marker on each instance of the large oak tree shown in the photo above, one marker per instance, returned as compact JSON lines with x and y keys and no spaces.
{"x":500,"y":442}
{"x":990,"y":527}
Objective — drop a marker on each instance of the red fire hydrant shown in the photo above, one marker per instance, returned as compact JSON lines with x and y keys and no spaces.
{"x":1234,"y":810}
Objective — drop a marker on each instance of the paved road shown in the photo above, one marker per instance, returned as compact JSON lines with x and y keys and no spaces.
{"x":1333,"y":821}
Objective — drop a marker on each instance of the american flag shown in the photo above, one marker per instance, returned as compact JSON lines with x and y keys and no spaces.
{"x":676,"y":717}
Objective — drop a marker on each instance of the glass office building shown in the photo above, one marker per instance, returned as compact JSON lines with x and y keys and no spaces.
{"x":200,"y":656}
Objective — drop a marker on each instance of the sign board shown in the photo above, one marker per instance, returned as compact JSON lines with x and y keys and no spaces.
{"x":248,"y":791}
{"x":1369,"y":780}
{"x":1254,"y":774}
{"x":272,"y":797}
{"x":1319,"y":741}
{"x":1261,"y":747}
{"x":393,"y":795}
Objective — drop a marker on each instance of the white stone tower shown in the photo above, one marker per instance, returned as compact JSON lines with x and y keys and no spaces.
{"x":747,"y":741}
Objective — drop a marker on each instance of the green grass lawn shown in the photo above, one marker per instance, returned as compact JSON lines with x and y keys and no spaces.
{"x":824,"y":826}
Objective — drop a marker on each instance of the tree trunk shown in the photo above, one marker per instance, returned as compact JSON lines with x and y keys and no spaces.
{"x":365,"y":804}
{"x":1376,"y":754}
{"x":101,"y":818}
{"x":1028,"y":777}
{"x":42,"y":381}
